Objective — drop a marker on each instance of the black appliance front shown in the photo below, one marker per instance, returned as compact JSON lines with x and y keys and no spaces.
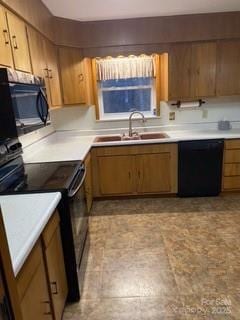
{"x":66,"y":177}
{"x":200,"y":168}
{"x":23,"y":103}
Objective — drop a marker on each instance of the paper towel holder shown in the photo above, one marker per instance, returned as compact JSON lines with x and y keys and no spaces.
{"x":179,"y":102}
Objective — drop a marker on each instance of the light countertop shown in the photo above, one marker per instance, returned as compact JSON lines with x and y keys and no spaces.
{"x":72,"y":145}
{"x":25,"y":216}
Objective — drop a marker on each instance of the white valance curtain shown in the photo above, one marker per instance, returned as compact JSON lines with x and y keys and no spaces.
{"x":126,"y":67}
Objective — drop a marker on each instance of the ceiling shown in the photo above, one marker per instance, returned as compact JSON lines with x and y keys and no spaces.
{"x":91,"y":10}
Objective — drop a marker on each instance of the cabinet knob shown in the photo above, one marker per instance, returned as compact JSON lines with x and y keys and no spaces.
{"x":81,"y":77}
{"x":50,"y":73}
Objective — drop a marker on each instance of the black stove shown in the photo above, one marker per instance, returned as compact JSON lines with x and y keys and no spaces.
{"x":66,"y":177}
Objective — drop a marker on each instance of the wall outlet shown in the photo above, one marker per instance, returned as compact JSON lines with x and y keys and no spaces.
{"x":204,"y":113}
{"x":172,"y":115}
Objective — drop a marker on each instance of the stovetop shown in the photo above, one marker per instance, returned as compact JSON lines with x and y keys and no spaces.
{"x":16,"y":176}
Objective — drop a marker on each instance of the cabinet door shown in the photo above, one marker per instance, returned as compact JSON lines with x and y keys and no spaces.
{"x":180,"y":71}
{"x":203,"y":80}
{"x":153,"y":173}
{"x":53,"y":73}
{"x":19,"y":42}
{"x":5,"y":44}
{"x":72,"y":75}
{"x":88,"y":183}
{"x":116,"y":175}
{"x":36,"y":301}
{"x":56,"y":273}
{"x":36,"y":43}
{"x":228,"y":72}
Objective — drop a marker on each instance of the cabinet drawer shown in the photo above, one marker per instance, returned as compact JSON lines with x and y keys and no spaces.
{"x":232,"y":169}
{"x":232,"y":156}
{"x":231,"y":183}
{"x":50,"y":228}
{"x":28,"y":270}
{"x":232,"y":144}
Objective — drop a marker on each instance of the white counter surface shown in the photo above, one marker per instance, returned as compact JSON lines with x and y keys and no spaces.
{"x":72,"y":145}
{"x":25,"y":216}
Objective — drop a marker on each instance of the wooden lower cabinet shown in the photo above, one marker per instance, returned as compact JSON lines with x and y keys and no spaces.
{"x":32,"y":287}
{"x":55,"y":266}
{"x":154,"y":173}
{"x":36,"y":301}
{"x":231,"y":166}
{"x":116,"y":175}
{"x":88,"y":182}
{"x":41,"y":283}
{"x":132,"y":170}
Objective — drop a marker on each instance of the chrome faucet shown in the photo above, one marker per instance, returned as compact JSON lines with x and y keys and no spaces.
{"x":130,"y":121}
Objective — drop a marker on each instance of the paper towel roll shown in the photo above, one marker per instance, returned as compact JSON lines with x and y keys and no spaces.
{"x":191,"y":104}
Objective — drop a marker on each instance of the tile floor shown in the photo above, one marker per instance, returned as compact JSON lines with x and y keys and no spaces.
{"x":162,"y":258}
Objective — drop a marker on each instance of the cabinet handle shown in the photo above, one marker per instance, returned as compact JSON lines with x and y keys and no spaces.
{"x":139,"y":174}
{"x":6,"y":37}
{"x":15,"y":45}
{"x":50,"y":73}
{"x":81,"y":78}
{"x":49,"y":306}
{"x":129,"y":175}
{"x":54,"y":284}
{"x":46,"y":73}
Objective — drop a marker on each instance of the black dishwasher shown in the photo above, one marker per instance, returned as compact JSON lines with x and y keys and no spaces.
{"x":200,"y":168}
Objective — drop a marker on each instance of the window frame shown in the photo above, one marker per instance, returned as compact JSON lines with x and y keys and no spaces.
{"x":125,"y":115}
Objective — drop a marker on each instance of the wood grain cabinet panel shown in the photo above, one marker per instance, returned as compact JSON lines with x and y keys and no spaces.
{"x":88,"y":182}
{"x":55,"y":265}
{"x":76,"y":77}
{"x":6,"y":58}
{"x":231,"y":165}
{"x":140,"y":169}
{"x":19,"y":41}
{"x":116,"y":175}
{"x":52,"y":76}
{"x":228,"y":72}
{"x":203,"y":76}
{"x":179,"y":71}
{"x":154,"y":173}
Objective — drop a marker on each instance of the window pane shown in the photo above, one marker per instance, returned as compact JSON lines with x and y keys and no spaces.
{"x":117,"y":101}
{"x":126,"y":82}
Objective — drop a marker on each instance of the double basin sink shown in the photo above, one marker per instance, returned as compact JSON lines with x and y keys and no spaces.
{"x":141,"y":136}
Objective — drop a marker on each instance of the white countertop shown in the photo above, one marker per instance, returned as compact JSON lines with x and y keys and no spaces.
{"x":72,"y":145}
{"x":25,"y":216}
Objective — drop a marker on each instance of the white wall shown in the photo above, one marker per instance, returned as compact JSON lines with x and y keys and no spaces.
{"x":83,"y":118}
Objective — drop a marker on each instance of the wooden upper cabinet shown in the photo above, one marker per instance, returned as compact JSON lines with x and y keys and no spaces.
{"x":53,"y":73}
{"x":71,"y":75}
{"x":19,"y":41}
{"x":5,"y":44}
{"x":36,"y":46}
{"x":191,"y":71}
{"x":76,"y":76}
{"x":228,"y":72}
{"x":203,"y":70}
{"x":179,"y":71}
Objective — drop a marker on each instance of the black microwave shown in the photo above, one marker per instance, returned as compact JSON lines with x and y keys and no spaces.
{"x":23,"y":103}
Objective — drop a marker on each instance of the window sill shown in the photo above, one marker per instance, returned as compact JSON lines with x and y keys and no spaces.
{"x":113,"y":119}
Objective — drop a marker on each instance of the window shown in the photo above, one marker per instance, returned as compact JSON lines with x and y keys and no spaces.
{"x":125,"y":85}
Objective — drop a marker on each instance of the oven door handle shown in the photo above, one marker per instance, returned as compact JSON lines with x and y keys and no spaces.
{"x":73,"y":190}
